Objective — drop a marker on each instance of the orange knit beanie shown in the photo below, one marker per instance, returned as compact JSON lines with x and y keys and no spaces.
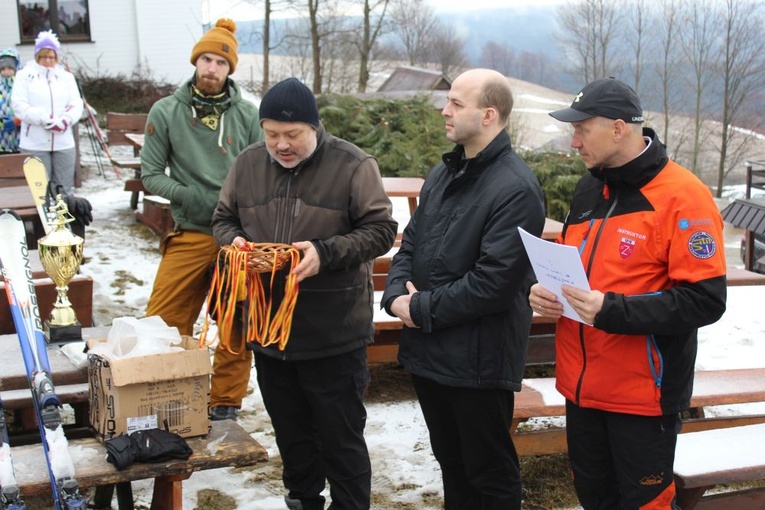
{"x":219,"y":40}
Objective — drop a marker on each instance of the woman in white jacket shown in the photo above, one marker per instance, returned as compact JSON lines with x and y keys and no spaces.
{"x":46,"y":99}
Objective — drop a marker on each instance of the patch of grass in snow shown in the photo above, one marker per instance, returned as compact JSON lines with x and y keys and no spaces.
{"x":547,"y":483}
{"x":212,"y":499}
{"x":123,"y":280}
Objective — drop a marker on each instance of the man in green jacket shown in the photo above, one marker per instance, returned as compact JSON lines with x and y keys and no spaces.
{"x":197,"y":132}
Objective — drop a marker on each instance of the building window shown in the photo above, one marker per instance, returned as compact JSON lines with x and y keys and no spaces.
{"x":68,"y":19}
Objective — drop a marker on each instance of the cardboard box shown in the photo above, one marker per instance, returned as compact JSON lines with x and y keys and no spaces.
{"x":168,"y":391}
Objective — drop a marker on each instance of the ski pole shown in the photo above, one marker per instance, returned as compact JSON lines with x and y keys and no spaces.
{"x":94,"y":123}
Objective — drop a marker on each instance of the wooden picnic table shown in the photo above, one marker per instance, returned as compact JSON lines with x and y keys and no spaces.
{"x":410,"y":187}
{"x":539,"y":398}
{"x":737,"y":276}
{"x":405,"y":187}
{"x":135,"y":139}
{"x":541,"y":347}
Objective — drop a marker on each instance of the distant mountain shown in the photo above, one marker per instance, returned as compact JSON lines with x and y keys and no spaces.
{"x":517,"y":29}
{"x":523,"y":29}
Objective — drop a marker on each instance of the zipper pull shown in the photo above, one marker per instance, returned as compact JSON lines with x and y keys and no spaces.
{"x":586,"y":235}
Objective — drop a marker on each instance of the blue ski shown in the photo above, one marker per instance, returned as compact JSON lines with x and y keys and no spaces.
{"x":14,"y":257}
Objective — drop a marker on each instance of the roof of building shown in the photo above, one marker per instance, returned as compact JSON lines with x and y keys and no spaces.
{"x":747,"y":214}
{"x":405,"y":78}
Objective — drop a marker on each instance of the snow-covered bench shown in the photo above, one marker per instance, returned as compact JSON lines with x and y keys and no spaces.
{"x":156,"y":215}
{"x":540,"y":399}
{"x":709,"y":458}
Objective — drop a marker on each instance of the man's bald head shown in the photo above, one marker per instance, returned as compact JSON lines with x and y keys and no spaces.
{"x":492,"y":89}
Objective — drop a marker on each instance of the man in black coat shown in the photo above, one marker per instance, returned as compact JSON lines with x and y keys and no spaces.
{"x":460,"y":284}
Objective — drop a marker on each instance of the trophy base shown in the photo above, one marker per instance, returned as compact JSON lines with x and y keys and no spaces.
{"x":60,"y":335}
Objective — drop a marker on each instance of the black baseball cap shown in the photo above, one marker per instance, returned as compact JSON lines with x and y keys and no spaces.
{"x":607,"y":97}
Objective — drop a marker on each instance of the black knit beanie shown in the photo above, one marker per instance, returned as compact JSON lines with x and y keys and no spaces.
{"x":290,"y":101}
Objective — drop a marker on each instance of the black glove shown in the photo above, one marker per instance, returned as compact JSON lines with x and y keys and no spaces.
{"x":121,"y":451}
{"x":80,"y":208}
{"x":153,"y":445}
{"x":156,"y":445}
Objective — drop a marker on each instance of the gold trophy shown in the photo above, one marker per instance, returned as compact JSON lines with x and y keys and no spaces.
{"x":61,"y":255}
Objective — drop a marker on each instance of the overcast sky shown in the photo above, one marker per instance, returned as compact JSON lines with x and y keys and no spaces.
{"x":243,"y":10}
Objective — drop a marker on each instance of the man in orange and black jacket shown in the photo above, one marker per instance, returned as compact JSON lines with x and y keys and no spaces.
{"x":650,"y":238}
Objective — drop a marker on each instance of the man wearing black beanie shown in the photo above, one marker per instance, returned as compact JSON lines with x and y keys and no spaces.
{"x":325,"y":197}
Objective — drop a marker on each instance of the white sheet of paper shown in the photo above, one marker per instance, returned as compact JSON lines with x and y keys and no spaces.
{"x":555,"y":265}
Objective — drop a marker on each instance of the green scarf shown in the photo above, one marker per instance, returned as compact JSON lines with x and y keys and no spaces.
{"x":210,"y":108}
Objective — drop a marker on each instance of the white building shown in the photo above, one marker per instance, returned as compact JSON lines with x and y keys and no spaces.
{"x":109,"y":37}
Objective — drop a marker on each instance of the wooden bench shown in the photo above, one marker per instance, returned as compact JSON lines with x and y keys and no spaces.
{"x":381,"y":265}
{"x":539,"y":398}
{"x":156,"y":215}
{"x":156,"y":211}
{"x":22,"y":399}
{"x":227,"y":445}
{"x":71,"y":386}
{"x":710,"y":458}
{"x":118,"y":125}
{"x":15,"y":195}
{"x":388,"y":331}
{"x":80,"y":294}
{"x":12,"y":170}
{"x":22,"y":428}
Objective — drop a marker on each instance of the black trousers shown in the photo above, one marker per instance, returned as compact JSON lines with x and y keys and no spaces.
{"x":318,"y":414}
{"x":622,"y":461}
{"x":470,"y":437}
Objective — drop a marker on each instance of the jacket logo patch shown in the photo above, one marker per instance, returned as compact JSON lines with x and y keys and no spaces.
{"x":685,"y":224}
{"x":652,"y":480}
{"x":626,"y":247}
{"x":702,"y":245}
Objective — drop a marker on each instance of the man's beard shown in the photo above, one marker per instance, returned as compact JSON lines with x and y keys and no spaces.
{"x":209,"y":85}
